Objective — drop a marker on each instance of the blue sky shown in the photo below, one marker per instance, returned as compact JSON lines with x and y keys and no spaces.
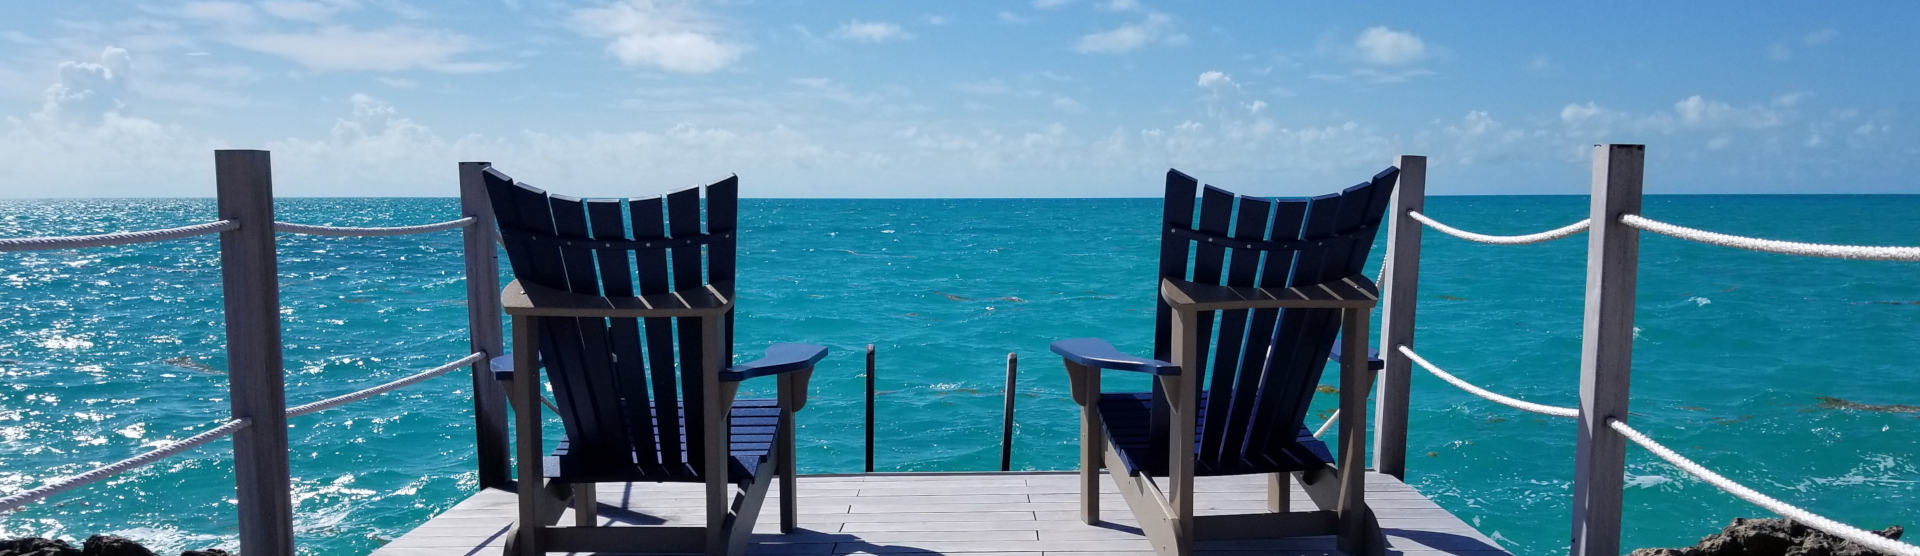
{"x":1075,"y":98}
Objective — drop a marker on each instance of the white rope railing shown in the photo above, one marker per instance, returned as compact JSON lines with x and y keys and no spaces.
{"x":1542,"y":237}
{"x":57,"y":486}
{"x":116,"y":238}
{"x":344,"y":399}
{"x":1324,"y":427}
{"x":1786,"y":510}
{"x":1855,"y":252}
{"x":350,"y":231}
{"x":1522,"y":405}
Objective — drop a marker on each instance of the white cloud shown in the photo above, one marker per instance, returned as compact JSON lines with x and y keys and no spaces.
{"x":871,"y":31}
{"x":672,"y":37}
{"x":811,"y":82}
{"x":1256,"y":107}
{"x":1784,"y":50}
{"x":232,"y":14}
{"x":1578,"y":113}
{"x":88,"y":90}
{"x":1213,"y":79}
{"x":1067,"y":104}
{"x":1050,"y":4}
{"x":390,"y":49}
{"x":1540,"y":63}
{"x":1697,"y":111}
{"x":1386,"y":47}
{"x":936,"y":20}
{"x":306,"y":10}
{"x":1129,"y":37}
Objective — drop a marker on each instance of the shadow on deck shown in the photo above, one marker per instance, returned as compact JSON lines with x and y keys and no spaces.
{"x":977,"y":514}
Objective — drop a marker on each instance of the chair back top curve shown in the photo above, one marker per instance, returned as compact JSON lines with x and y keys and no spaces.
{"x":1263,"y":365}
{"x":618,"y":382}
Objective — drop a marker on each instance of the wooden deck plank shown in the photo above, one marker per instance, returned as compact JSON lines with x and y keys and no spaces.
{"x":986,"y":514}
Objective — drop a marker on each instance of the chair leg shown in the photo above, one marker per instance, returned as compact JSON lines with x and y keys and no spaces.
{"x":1090,"y":456}
{"x":1279,"y":492}
{"x":1092,"y":441}
{"x":784,"y":446}
{"x":526,"y":427}
{"x":586,"y":506}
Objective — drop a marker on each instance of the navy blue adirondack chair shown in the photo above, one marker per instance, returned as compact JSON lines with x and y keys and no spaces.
{"x":631,"y":305}
{"x":1251,"y":296}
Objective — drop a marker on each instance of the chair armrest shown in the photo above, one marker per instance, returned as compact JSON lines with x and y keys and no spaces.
{"x":779,"y":358}
{"x":1098,"y":354}
{"x":1373,"y":357}
{"x":522,"y":299}
{"x":1351,"y":292}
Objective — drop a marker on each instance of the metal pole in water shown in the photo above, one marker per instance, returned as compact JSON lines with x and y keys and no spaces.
{"x":869,"y":408}
{"x":1006,"y":421}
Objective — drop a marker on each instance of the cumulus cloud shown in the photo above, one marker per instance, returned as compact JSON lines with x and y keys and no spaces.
{"x":663,"y":35}
{"x":1577,"y":113}
{"x":390,"y":49}
{"x":1214,"y":79}
{"x":1381,"y":46}
{"x":1129,"y":37}
{"x":89,"y":89}
{"x":1697,"y":111}
{"x":871,"y":31}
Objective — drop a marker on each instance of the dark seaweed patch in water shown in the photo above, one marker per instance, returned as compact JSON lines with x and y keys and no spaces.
{"x":1324,"y":389}
{"x":1830,"y":402}
{"x":192,"y":364}
{"x":962,"y":298}
{"x":1452,"y":298}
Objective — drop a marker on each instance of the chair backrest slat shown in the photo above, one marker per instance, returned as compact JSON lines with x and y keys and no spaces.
{"x":650,"y":222}
{"x":608,"y":219}
{"x":723,"y":221}
{"x":683,"y":220}
{"x":1243,"y":269}
{"x":1276,"y":269}
{"x":1177,"y":213}
{"x":1265,"y":363}
{"x":607,"y":373}
{"x":594,"y":391}
{"x":526,"y":208}
{"x":1289,"y":376}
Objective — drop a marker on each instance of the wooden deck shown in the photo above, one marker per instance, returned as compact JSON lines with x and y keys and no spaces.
{"x":978,"y":514}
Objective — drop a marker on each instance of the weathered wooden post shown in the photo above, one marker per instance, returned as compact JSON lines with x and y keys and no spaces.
{"x":483,"y":323}
{"x":1606,"y":352}
{"x":870,"y":408}
{"x":1398,"y":299}
{"x":250,"y":285}
{"x":1006,"y":414}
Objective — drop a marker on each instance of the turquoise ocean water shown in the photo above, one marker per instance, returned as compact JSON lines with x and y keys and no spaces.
{"x":1739,"y":363}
